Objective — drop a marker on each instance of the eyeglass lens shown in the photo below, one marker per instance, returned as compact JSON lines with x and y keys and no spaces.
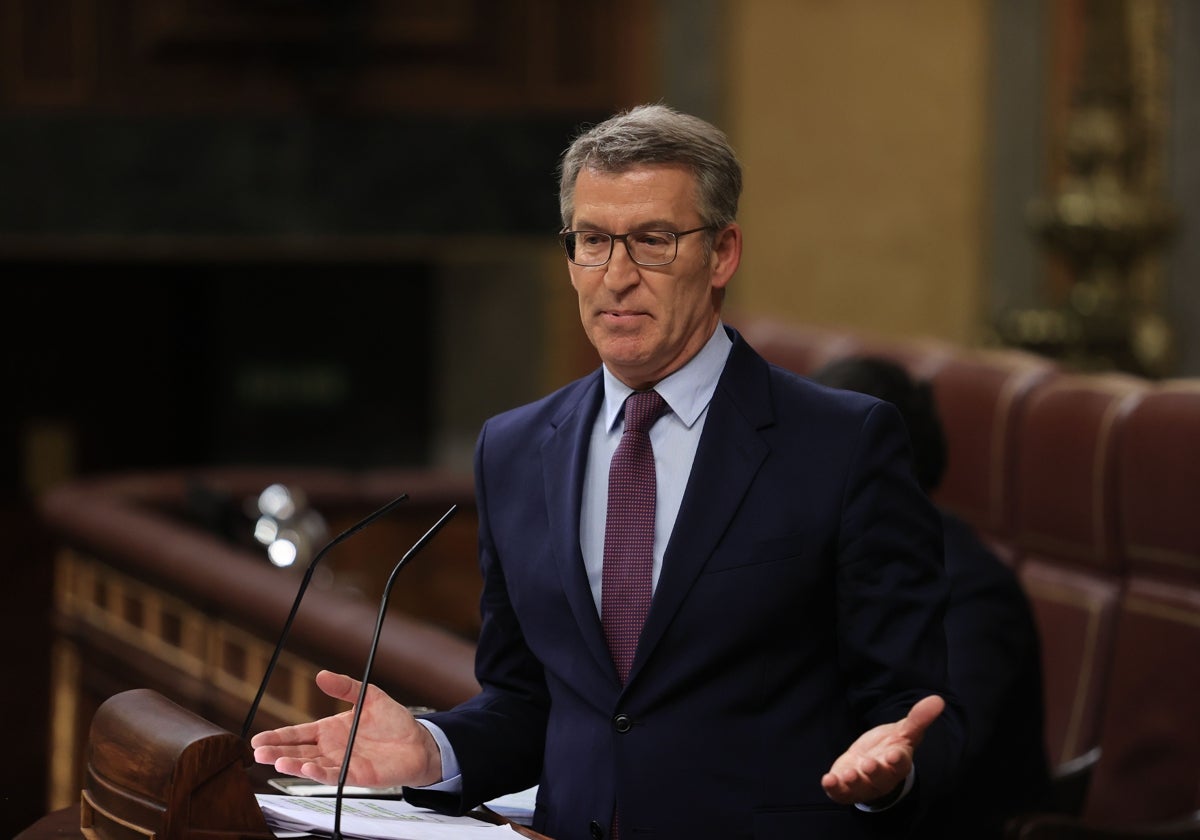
{"x":646,"y":247}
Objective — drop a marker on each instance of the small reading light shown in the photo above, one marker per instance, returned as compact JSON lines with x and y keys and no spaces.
{"x":286,"y":525}
{"x":282,"y":552}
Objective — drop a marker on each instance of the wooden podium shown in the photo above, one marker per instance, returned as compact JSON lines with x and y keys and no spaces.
{"x":156,"y":771}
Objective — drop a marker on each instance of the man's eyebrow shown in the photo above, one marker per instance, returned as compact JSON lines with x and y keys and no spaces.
{"x":653,"y":224}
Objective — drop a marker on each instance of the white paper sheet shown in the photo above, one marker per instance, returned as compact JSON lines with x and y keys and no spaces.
{"x":374,"y":819}
{"x":517,"y":807}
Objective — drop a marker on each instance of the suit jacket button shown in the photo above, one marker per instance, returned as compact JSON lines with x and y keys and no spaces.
{"x":596,"y":831}
{"x":623,"y":723}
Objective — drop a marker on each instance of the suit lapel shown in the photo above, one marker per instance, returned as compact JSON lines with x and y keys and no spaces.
{"x":730,"y":452}
{"x":564,"y":459}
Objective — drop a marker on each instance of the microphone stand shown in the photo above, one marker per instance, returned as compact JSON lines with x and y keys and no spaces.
{"x":362,"y":691}
{"x":308,"y":573}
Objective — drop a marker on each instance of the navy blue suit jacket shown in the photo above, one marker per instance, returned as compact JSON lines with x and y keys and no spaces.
{"x":800,"y":603}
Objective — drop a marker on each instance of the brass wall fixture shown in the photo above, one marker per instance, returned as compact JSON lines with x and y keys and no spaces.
{"x":1104,"y":222}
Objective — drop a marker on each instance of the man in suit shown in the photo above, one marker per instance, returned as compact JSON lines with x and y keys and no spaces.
{"x":788,"y":680}
{"x":995,"y":651}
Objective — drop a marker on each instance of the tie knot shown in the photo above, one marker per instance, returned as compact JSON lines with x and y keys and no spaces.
{"x":642,"y":409}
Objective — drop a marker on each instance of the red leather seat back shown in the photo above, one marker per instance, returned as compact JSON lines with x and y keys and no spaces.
{"x":1159,"y":502}
{"x":800,"y":348}
{"x":1076,"y":615}
{"x":980,"y":396}
{"x":1150,"y":732}
{"x":1065,"y":530}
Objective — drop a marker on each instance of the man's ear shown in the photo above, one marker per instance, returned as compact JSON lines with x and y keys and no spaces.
{"x":726,"y":254}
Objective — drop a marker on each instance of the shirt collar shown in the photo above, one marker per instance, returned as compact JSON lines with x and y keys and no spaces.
{"x":687,"y":391}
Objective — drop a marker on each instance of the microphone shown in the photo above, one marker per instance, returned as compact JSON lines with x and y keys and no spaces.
{"x":362,"y":691}
{"x":308,"y":573}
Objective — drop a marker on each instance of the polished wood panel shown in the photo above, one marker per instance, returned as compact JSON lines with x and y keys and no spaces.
{"x":188,"y":56}
{"x":155,"y":769}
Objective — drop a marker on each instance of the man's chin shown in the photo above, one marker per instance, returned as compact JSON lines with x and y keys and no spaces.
{"x":620,"y":347}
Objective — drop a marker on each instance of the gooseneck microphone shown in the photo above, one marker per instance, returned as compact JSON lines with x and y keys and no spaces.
{"x":308,"y":573}
{"x":362,"y":691}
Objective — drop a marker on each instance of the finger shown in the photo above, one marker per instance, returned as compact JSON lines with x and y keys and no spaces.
{"x":846,"y":777}
{"x":269,"y":755}
{"x":873,"y":779}
{"x":869,"y":765}
{"x":265,"y":739}
{"x":338,"y":686}
{"x":306,"y":769}
{"x":301,"y":733}
{"x":849,"y":787}
{"x":325,"y":773}
{"x":836,"y":788}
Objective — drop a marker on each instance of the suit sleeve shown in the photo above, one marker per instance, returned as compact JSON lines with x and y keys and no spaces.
{"x":508,"y":717}
{"x":892,"y":595}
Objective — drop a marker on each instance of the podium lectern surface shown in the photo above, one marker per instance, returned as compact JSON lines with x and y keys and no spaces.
{"x":155,"y":769}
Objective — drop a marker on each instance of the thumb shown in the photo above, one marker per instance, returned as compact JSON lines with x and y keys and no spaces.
{"x":921,"y":716}
{"x":338,"y":686}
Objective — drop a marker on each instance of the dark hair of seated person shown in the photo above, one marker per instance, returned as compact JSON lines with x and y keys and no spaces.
{"x":891,"y":383}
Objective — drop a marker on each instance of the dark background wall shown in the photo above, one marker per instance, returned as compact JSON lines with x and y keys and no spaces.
{"x":235,"y":232}
{"x":295,"y":231}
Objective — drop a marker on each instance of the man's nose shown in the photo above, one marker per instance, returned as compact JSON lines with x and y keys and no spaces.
{"x":621,"y":271}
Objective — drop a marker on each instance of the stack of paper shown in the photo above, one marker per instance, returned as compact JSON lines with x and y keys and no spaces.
{"x":517,"y":807}
{"x":373,"y":819}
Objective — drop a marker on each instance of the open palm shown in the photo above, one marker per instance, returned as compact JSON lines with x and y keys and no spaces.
{"x":390,"y":748}
{"x":882,"y":757}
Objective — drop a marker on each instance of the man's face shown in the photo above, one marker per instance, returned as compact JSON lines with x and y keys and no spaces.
{"x":646,"y":322}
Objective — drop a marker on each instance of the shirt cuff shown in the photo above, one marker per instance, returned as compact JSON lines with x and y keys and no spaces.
{"x":891,"y":800}
{"x":451,"y":772}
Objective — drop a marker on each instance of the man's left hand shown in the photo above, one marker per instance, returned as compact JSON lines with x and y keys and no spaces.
{"x":879,"y":761}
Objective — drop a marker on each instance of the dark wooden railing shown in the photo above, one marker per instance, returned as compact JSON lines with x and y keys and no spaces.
{"x":148,"y":595}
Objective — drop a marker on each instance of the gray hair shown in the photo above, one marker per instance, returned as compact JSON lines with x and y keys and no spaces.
{"x":650,"y":134}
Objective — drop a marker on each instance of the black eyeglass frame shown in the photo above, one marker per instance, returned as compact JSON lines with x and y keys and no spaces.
{"x":624,"y":239}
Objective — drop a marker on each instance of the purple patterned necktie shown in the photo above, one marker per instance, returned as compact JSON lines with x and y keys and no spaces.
{"x":626,"y":581}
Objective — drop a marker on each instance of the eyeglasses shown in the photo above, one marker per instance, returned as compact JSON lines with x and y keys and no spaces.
{"x":592,"y":248}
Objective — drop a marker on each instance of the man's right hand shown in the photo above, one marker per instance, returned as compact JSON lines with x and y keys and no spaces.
{"x":390,"y":747}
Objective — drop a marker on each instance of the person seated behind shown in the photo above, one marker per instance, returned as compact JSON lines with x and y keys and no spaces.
{"x":995,"y":655}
